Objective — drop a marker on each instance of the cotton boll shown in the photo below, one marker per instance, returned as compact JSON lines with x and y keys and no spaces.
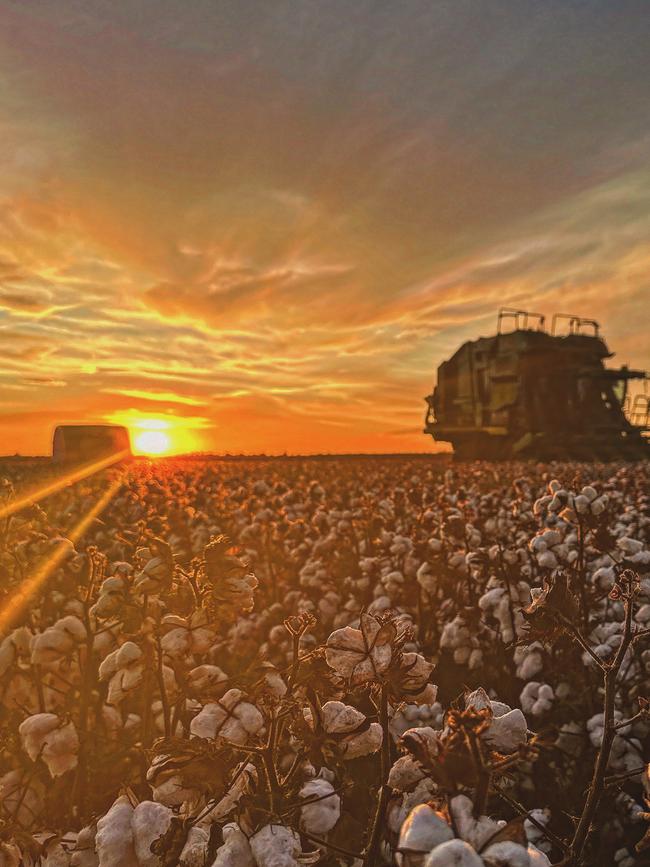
{"x":457,"y":637}
{"x":623,"y":858}
{"x":426,"y":577}
{"x":235,"y":851}
{"x":231,"y":718}
{"x":423,"y":830}
{"x":360,"y":655}
{"x":15,"y":645}
{"x":581,"y":504}
{"x":537,"y":698}
{"x":167,"y":782}
{"x":529,"y":661}
{"x":364,"y":743}
{"x":589,"y":493}
{"x":112,"y":596}
{"x":319,"y":817}
{"x":534,"y":834}
{"x":454,"y":853}
{"x":541,"y":505}
{"x":156,"y":574}
{"x":276,"y":846}
{"x":149,"y":822}
{"x":116,"y":726}
{"x":508,"y":732}
{"x":598,"y":506}
{"x":414,"y":673}
{"x":124,"y":669}
{"x":536,"y":858}
{"x":34,"y":730}
{"x":341,"y":719}
{"x":506,"y":854}
{"x":476,"y":831}
{"x":114,"y":839}
{"x":207,"y":681}
{"x":45,"y":736}
{"x":629,"y":546}
{"x":405,"y":774}
{"x":642,"y":615}
{"x":547,"y":560}
{"x":83,"y":854}
{"x":53,"y":852}
{"x":57,"y":642}
{"x":195,"y":850}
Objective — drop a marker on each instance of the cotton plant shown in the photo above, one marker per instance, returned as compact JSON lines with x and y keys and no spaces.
{"x":504,"y":605}
{"x":412,"y":715}
{"x":54,"y":740}
{"x":124,"y":670}
{"x":569,"y":504}
{"x":15,"y":649}
{"x":537,"y":698}
{"x":506,"y":728}
{"x":627,"y":751}
{"x":113,"y":596}
{"x":156,"y":574}
{"x":456,"y":836}
{"x":56,"y":647}
{"x":279,"y":846}
{"x":186,"y":639}
{"x":321,"y":808}
{"x":232,"y":584}
{"x":458,"y":638}
{"x":374,"y":653}
{"x":341,"y":730}
{"x":529,"y":660}
{"x":236,"y":850}
{"x":231,"y":718}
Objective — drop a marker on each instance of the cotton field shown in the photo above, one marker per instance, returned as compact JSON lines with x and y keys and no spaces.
{"x":335,"y":662}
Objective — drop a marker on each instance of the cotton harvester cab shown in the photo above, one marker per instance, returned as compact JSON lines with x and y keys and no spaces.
{"x":533,"y":394}
{"x":81,"y":443}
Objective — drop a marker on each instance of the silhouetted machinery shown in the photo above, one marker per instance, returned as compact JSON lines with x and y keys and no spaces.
{"x":533,"y":394}
{"x":82,"y":443}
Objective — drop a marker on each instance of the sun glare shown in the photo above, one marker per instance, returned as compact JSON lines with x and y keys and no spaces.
{"x":152,"y":442}
{"x":160,"y":435}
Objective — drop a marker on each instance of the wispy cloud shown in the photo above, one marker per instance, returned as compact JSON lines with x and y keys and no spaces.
{"x":166,"y":397}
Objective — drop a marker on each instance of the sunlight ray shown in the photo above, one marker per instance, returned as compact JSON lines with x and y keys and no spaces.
{"x":70,"y":478}
{"x":22,"y":596}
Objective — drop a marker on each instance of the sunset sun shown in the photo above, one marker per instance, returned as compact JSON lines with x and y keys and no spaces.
{"x":159,"y":436}
{"x":152,"y":442}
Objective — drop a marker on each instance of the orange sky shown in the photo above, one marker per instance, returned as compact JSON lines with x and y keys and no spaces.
{"x":268,"y":222}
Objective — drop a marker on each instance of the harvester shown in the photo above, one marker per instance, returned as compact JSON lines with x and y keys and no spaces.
{"x":534,"y":393}
{"x":79,"y":443}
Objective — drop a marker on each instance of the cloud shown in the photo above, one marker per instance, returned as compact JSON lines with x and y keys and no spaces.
{"x":26,"y":304}
{"x":156,"y":396}
{"x":245,"y":291}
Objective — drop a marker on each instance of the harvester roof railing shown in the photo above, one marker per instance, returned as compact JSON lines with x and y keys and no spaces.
{"x":520,"y":316}
{"x":576,"y":323}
